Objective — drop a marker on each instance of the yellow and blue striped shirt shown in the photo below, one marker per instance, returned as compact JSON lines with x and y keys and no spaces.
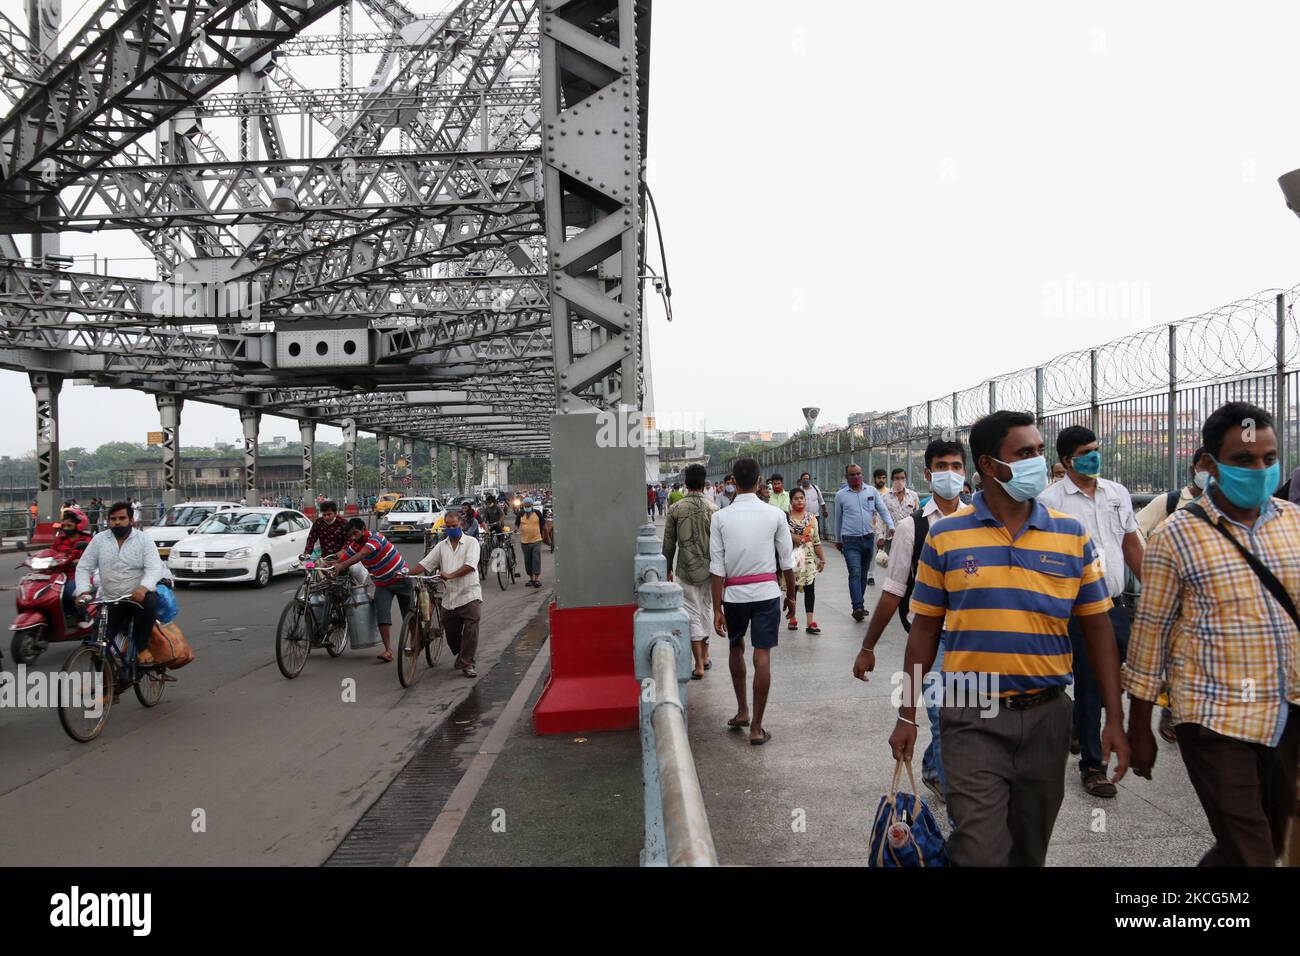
{"x":1006,"y":602}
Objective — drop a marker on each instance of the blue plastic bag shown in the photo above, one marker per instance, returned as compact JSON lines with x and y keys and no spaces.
{"x":167,"y":607}
{"x":918,"y":840}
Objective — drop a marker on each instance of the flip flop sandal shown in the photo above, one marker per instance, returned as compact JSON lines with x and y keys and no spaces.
{"x":386,"y":657}
{"x":734,"y":724}
{"x":813,"y":629}
{"x":759,"y":741}
{"x":792,"y":625}
{"x":695,"y":676}
{"x":708,"y":665}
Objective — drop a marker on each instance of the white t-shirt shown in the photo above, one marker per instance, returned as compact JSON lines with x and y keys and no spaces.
{"x":750,"y":538}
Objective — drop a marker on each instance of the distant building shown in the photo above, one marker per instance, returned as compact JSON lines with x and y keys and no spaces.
{"x":216,"y":473}
{"x":279,"y":441}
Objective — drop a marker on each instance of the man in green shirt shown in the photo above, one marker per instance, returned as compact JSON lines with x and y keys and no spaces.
{"x":676,"y":494}
{"x":779,"y":498}
{"x":686,"y":539}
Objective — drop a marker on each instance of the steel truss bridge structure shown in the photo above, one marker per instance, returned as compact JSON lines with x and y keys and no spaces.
{"x":425,"y":225}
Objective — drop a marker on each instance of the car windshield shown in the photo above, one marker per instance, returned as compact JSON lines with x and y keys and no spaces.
{"x":184,"y":516}
{"x":234,"y":522}
{"x":412,"y":505}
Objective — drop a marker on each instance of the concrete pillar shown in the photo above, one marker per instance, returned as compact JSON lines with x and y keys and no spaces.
{"x":48,"y":499}
{"x":307,"y":431}
{"x":349,"y":463}
{"x":169,"y":414}
{"x":382,"y":442}
{"x":251,"y":419}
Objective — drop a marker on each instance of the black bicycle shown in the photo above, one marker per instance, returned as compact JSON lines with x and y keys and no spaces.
{"x":422,"y":629}
{"x":91,"y":679}
{"x":499,"y":557}
{"x":316,"y":616}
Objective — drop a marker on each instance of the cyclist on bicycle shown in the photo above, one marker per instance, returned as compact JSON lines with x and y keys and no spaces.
{"x":455,"y":560}
{"x":493,"y":515}
{"x":126,"y":562}
{"x":328,"y":530}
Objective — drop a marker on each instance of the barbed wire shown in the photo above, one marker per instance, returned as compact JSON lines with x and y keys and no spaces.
{"x":1233,"y":340}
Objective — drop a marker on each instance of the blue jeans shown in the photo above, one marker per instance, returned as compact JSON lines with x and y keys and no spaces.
{"x":931,"y":765}
{"x":858,"y":554}
{"x":1087,"y":693}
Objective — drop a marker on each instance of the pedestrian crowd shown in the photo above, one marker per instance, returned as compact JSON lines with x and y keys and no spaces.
{"x":1022,"y":572}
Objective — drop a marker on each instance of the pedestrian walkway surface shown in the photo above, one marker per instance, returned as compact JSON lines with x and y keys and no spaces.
{"x":806,"y":798}
{"x":809,"y":796}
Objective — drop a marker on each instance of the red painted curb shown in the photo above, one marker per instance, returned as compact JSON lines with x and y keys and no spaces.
{"x":592,"y":685}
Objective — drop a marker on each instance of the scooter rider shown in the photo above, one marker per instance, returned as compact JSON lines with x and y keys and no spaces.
{"x":127,"y":563}
{"x":70,"y":544}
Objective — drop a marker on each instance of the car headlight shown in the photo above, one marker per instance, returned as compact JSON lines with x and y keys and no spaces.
{"x":238,"y":553}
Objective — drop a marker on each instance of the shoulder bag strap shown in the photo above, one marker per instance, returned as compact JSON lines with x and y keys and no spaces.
{"x":1266,"y":577}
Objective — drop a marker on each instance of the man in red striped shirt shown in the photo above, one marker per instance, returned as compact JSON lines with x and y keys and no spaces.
{"x":387,"y":569}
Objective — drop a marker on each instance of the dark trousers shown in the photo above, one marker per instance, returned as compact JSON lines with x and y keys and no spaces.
{"x":809,"y":599}
{"x":139,"y":621}
{"x":533,"y":558}
{"x":1005,"y":781}
{"x":1087,"y":692}
{"x":461,"y":624}
{"x":1248,"y":790}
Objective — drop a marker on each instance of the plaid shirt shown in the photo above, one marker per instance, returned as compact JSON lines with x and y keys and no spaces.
{"x":1228,"y":649}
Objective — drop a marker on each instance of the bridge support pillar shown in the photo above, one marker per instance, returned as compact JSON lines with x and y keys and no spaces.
{"x":382,"y":442}
{"x":456,"y":487}
{"x":251,"y":419}
{"x":307,"y":432}
{"x":48,"y":504}
{"x":350,"y":507}
{"x":433,"y":467}
{"x":169,"y":415}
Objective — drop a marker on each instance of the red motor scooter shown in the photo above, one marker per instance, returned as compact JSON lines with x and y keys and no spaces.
{"x":41,"y":620}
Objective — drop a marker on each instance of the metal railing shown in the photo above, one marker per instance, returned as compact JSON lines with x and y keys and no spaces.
{"x":1145,"y":395}
{"x":676,"y":825}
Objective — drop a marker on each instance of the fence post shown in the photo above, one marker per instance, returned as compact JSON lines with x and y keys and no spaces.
{"x":955,"y":424}
{"x":993,"y":396}
{"x":907,"y":464}
{"x":1279,"y":398}
{"x":929,"y":421}
{"x":871,"y":444}
{"x":1038,"y":396}
{"x":1094,"y":408}
{"x":1173,"y":407}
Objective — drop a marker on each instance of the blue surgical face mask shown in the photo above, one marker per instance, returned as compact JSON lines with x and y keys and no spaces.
{"x":1028,"y":477}
{"x":455,"y":533}
{"x":1248,"y":488}
{"x":1088,"y":464}
{"x":946,"y":484}
{"x":730,"y":489}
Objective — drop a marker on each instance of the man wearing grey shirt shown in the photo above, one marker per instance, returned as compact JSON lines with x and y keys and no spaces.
{"x":126,"y":563}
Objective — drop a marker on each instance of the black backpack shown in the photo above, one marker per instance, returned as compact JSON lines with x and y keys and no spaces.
{"x":921,"y":527}
{"x":1171,"y":501}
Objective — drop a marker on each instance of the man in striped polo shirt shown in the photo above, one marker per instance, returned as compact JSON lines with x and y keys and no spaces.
{"x":387,"y":569}
{"x":1002,"y":578}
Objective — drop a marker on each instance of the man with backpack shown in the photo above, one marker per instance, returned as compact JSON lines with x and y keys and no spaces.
{"x":1218,"y":621}
{"x":945,"y":469}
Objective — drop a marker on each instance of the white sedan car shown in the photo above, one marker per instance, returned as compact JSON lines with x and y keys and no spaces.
{"x":245,"y":544}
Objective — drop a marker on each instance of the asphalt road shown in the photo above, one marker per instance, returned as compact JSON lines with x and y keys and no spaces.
{"x":276,"y":771}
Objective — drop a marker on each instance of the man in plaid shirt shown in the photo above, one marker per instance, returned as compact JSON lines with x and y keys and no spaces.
{"x":1229,"y":649}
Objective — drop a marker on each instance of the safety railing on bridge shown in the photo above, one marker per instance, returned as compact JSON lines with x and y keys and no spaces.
{"x":676,"y":826}
{"x":1145,"y":395}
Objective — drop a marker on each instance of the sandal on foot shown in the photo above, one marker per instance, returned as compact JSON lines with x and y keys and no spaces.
{"x":792,"y":624}
{"x":812,"y":628}
{"x":734,"y":724}
{"x":697,"y":675}
{"x":386,"y":657}
{"x":708,"y":665}
{"x":759,"y":741}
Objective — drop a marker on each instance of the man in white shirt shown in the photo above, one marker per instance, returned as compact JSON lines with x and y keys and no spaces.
{"x":455,"y":560}
{"x":1106,"y":510}
{"x":749,"y":545}
{"x":124,"y":562}
{"x":945,"y":469}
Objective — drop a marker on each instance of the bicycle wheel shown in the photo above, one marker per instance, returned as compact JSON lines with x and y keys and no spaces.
{"x":338,"y":639}
{"x":149,"y":687}
{"x":88,"y":688}
{"x":292,"y":640}
{"x":436,"y":638}
{"x":504,"y":570}
{"x":512,"y":564}
{"x":408,"y":649}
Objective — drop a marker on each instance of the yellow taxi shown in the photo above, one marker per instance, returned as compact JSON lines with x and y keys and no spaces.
{"x":386,"y":502}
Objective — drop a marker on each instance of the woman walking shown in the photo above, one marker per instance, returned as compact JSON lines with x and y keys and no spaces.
{"x":808,"y":557}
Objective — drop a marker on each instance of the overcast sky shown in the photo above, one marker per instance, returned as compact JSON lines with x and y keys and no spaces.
{"x":847,"y":186}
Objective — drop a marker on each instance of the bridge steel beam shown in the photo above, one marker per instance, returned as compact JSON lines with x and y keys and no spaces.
{"x":169,"y":415}
{"x":595,"y":61}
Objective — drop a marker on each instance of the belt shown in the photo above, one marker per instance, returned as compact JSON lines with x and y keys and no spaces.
{"x":750,"y":579}
{"x":1025,"y":701}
